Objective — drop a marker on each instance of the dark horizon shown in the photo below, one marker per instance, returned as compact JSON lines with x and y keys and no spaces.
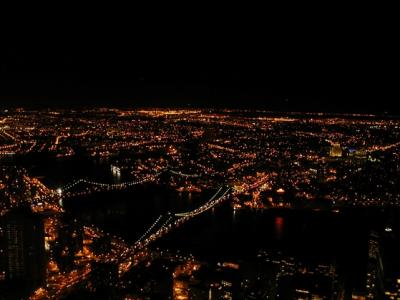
{"x":326,"y":104}
{"x":153,"y":75}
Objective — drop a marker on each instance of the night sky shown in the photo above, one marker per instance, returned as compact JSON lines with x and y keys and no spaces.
{"x":166,"y":72}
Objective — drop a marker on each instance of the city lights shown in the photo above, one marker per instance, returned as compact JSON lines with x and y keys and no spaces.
{"x":194,"y":179}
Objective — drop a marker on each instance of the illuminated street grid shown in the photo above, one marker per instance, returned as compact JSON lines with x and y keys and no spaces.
{"x":256,"y":160}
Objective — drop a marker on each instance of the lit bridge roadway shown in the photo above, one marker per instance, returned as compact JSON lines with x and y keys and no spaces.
{"x":128,"y":257}
{"x":165,"y":224}
{"x":87,"y":186}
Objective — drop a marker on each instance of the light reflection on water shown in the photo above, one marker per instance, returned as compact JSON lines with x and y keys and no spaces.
{"x":221,"y":231}
{"x":279,"y":224}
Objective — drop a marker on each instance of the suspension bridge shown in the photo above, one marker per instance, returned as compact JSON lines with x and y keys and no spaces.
{"x":83,"y":186}
{"x":165,"y":223}
{"x":162,"y":226}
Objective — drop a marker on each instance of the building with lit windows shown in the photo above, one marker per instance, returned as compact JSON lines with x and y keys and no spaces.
{"x":375,"y":277}
{"x":335,"y":151}
{"x":23,"y":245}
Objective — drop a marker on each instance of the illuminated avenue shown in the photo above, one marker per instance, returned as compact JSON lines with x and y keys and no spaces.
{"x":250,"y":161}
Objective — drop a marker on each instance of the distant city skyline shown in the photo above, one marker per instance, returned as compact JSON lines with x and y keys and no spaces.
{"x":206,"y":98}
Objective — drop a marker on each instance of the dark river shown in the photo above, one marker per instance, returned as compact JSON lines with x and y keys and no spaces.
{"x":221,"y":233}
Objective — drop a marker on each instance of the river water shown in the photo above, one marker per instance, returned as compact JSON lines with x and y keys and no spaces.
{"x":221,"y":233}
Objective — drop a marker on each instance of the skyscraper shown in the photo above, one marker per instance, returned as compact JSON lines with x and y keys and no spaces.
{"x":23,"y":240}
{"x":375,"y":279}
